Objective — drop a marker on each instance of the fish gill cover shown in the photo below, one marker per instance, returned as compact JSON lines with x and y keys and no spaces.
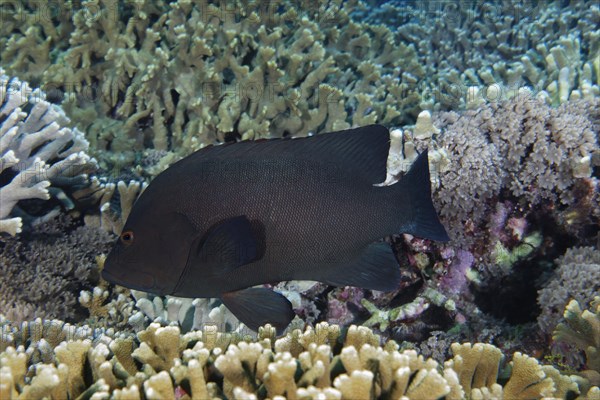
{"x":503,"y":95}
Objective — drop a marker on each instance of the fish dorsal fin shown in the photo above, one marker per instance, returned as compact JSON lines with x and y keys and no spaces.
{"x":374,"y":268}
{"x":256,"y":307}
{"x":363,"y":151}
{"x":229,"y":244}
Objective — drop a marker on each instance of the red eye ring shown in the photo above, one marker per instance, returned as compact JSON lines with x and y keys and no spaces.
{"x":127,"y":237}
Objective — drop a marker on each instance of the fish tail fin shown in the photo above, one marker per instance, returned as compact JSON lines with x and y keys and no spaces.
{"x":416,"y":185}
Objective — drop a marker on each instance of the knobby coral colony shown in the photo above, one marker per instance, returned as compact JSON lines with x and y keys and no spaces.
{"x":514,"y":165}
{"x":50,"y":359}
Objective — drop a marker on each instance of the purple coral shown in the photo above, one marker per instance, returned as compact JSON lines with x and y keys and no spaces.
{"x":341,"y":302}
{"x":455,"y":281}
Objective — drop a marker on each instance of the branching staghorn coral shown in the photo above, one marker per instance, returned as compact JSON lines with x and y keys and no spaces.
{"x":132,"y":310}
{"x":322,"y":362}
{"x":107,"y":204}
{"x":186,"y":74}
{"x":112,"y":219}
{"x":38,"y":153}
{"x":501,"y":45}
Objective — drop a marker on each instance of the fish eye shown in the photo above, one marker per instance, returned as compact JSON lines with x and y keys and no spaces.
{"x":127,"y":237}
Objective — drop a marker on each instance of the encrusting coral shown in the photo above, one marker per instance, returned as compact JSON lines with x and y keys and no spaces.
{"x":39,"y":154}
{"x":520,"y":149}
{"x":55,"y":360}
{"x":43,"y":272}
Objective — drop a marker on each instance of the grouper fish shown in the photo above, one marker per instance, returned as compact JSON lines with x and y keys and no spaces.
{"x":233,"y":216}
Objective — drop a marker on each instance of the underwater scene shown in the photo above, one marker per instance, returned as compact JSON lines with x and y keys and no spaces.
{"x":284,"y":199}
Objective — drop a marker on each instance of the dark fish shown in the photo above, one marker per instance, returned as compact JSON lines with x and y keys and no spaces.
{"x":234,"y":216}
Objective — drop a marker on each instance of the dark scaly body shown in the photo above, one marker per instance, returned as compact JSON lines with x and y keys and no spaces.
{"x":307,"y":224}
{"x":302,"y":209}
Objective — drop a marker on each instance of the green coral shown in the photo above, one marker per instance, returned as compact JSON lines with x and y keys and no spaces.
{"x":382,"y":317}
{"x":489,"y":50}
{"x":505,"y":258}
{"x":182,"y":75}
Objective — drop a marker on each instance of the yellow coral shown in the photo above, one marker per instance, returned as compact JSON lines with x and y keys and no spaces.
{"x":73,"y":355}
{"x":476,"y":365}
{"x":175,"y":366}
{"x":581,"y":328}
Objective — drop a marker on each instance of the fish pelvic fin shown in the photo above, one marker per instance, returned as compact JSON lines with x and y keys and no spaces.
{"x":256,"y":307}
{"x":375,"y":268}
{"x":416,"y":184}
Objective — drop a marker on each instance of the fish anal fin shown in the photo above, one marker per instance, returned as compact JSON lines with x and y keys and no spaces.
{"x":375,"y":268}
{"x":256,"y":307}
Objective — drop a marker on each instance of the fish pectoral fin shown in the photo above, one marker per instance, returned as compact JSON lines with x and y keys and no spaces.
{"x":375,"y":268}
{"x":256,"y":307}
{"x":229,"y":244}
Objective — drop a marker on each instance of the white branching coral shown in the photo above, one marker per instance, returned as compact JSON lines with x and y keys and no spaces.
{"x":36,"y":148}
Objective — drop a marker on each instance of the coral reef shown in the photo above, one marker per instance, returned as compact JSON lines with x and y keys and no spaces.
{"x":49,"y":359}
{"x":498,"y":46}
{"x":576,"y":278}
{"x":182,"y":75}
{"x":581,"y":330}
{"x":112,"y":215}
{"x":39,"y":155}
{"x":508,"y":222}
{"x":440,"y":285}
{"x":132,"y":310}
{"x":43,"y":271}
{"x":521,"y":148}
{"x":514,"y":165}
